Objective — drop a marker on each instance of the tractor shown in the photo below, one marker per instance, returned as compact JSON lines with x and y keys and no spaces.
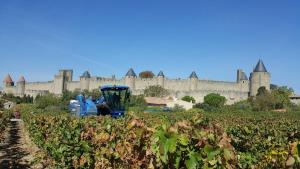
{"x":113,"y":101}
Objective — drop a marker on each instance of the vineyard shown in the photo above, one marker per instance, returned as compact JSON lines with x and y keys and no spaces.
{"x":4,"y":120}
{"x":192,"y":139}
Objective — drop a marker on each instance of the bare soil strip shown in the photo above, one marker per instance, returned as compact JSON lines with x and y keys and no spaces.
{"x":17,"y":150}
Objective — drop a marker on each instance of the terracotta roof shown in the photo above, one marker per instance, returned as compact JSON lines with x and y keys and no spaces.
{"x":21,"y":79}
{"x":7,"y":79}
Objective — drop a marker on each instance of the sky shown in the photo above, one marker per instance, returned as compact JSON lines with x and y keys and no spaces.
{"x":107,"y":37}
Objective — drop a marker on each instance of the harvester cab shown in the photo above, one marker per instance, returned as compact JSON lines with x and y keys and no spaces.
{"x":113,"y":101}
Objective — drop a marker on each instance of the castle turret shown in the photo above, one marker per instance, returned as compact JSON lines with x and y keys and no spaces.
{"x":260,"y":77}
{"x":160,"y":79}
{"x":8,"y":82}
{"x":243,"y":80}
{"x":193,"y":81}
{"x":130,"y":79}
{"x":85,"y":81}
{"x":21,"y":86}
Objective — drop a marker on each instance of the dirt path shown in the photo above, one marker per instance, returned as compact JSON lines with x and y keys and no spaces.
{"x":17,"y":150}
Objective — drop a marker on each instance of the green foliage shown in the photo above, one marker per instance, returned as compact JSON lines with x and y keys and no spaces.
{"x":188,"y":99}
{"x":177,"y":108}
{"x":156,"y":91}
{"x":17,"y":99}
{"x":282,"y":97}
{"x":188,"y":139}
{"x":214,"y":100}
{"x":137,"y":103}
{"x":286,"y":89}
{"x":241,"y":105}
{"x":94,"y":94}
{"x":4,"y":120}
{"x":262,"y":91}
{"x":69,"y":95}
{"x":1,"y":103}
{"x":276,"y":99}
{"x":146,"y":74}
{"x":129,"y":142}
{"x":43,"y":101}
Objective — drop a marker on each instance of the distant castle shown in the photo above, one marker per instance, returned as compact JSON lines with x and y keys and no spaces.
{"x":233,"y":91}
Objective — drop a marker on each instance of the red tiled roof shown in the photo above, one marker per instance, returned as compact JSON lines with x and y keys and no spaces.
{"x":7,"y":79}
{"x":21,"y":79}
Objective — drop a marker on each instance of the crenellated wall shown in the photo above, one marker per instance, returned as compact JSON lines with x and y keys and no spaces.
{"x":192,"y":86}
{"x":39,"y":86}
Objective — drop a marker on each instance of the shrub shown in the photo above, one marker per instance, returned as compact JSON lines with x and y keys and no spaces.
{"x":137,"y":103}
{"x":241,"y":105}
{"x":156,"y":91}
{"x":43,"y":101}
{"x":18,"y":99}
{"x":177,"y":108}
{"x":189,"y":99}
{"x":214,"y":100}
{"x":281,"y":97}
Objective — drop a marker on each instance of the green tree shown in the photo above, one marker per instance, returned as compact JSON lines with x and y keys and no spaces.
{"x":262,"y":91}
{"x":214,"y":100}
{"x":156,"y":91}
{"x":188,"y":99}
{"x":138,"y":102}
{"x":281,"y":97}
{"x":43,"y":101}
{"x":146,"y":74}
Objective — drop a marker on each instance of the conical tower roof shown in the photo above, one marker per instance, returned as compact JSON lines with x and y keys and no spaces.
{"x":86,"y":74}
{"x":8,"y":79}
{"x":244,"y":76}
{"x":260,"y":67}
{"x":21,"y":79}
{"x":160,"y":73}
{"x":131,"y":73}
{"x":193,"y":75}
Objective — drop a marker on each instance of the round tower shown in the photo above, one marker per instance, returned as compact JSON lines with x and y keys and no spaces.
{"x":260,"y":77}
{"x":85,"y":81}
{"x":193,"y":81}
{"x":21,"y":86}
{"x":160,"y":79}
{"x":130,"y":79}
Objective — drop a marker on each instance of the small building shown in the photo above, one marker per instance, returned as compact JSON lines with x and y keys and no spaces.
{"x":8,"y":105}
{"x":168,"y":102}
{"x":295,"y":99}
{"x":157,"y":101}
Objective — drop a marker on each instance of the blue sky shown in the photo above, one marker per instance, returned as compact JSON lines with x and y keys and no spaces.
{"x":107,"y":37}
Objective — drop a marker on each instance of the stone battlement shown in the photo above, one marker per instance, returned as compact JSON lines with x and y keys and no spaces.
{"x":192,"y":86}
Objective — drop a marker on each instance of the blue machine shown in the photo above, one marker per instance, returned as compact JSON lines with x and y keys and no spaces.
{"x":112,"y":102}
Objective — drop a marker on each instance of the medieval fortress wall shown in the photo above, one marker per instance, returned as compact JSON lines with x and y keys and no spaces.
{"x":192,"y":86}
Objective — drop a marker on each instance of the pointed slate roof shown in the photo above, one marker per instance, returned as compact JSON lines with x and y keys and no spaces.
{"x":131,"y":73}
{"x":160,"y":73}
{"x":244,"y":76}
{"x":260,"y":67}
{"x":193,"y":75}
{"x":86,"y":74}
{"x":21,"y":79}
{"x":7,"y":79}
